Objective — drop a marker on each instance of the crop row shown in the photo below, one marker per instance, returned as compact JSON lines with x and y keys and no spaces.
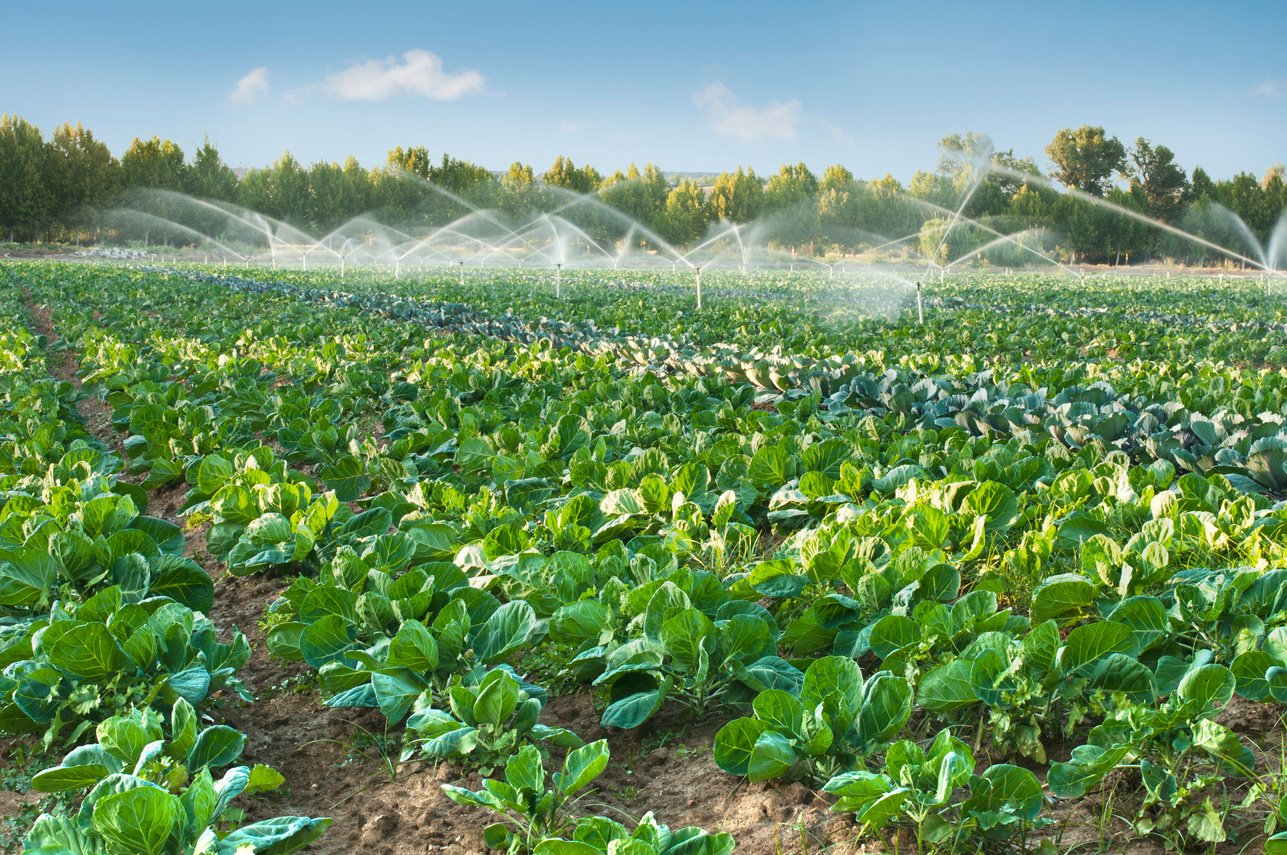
{"x":867,"y":585}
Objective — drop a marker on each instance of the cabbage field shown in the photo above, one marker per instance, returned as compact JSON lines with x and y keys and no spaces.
{"x":464,"y":562}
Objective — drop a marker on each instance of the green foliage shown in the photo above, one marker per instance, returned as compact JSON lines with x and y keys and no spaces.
{"x":488,"y":717}
{"x":1021,"y":537}
{"x":534,"y":812}
{"x":918,"y":786}
{"x":832,"y":724}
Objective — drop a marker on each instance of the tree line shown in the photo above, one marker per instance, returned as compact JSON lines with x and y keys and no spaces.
{"x":61,"y":188}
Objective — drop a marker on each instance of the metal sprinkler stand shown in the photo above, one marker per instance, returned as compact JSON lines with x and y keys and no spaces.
{"x":699,"y":289}
{"x":558,"y":281}
{"x":920,"y":307}
{"x":462,"y":272}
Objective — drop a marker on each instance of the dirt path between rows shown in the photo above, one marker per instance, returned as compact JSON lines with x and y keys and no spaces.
{"x":63,"y":365}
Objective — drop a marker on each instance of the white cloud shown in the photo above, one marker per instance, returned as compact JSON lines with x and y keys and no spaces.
{"x":729,"y":116}
{"x":250,"y":88}
{"x":1271,"y":88}
{"x":418,"y":73}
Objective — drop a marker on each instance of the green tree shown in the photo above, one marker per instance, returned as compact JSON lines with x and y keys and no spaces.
{"x":1201,"y":186}
{"x":1154,"y":172}
{"x":1033,"y":205}
{"x":289,"y":189}
{"x":971,"y":159}
{"x":255,"y":192}
{"x":564,"y":173}
{"x":791,"y":200}
{"x":209,"y":177}
{"x":329,"y":203}
{"x":1244,"y":196}
{"x":413,"y":159}
{"x":737,"y":197}
{"x":686,"y":215}
{"x":838,"y":206}
{"x":641,"y":196}
{"x":25,"y":201}
{"x":1126,"y":238}
{"x":360,"y":191}
{"x":153,"y":164}
{"x":935,"y":188}
{"x":1085,"y":159}
{"x":519,"y":195}
{"x":791,"y":187}
{"x":886,"y":212}
{"x":81,"y":176}
{"x":471,"y":182}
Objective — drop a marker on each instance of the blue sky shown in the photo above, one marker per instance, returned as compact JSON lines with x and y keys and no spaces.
{"x":691,"y":86}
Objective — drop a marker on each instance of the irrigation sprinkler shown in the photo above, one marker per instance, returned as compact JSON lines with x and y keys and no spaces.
{"x":831,"y":272}
{"x":462,"y":271}
{"x":341,"y":267}
{"x":920,"y":307}
{"x":558,"y":281}
{"x":397,"y":268}
{"x":699,"y":288}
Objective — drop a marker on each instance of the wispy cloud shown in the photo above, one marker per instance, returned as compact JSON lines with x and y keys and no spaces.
{"x":418,"y":72}
{"x":250,"y":88}
{"x":573,"y":127}
{"x":1271,"y":88}
{"x":836,"y":132}
{"x":729,"y":116}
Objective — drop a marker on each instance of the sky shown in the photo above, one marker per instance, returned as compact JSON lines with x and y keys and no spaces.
{"x":690,"y":86}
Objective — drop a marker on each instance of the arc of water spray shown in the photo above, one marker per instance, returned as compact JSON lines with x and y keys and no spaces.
{"x":976,"y":180}
{"x":995,"y":242}
{"x":619,"y":216}
{"x":179,"y":227}
{"x":978,"y":224}
{"x":1126,"y":212}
